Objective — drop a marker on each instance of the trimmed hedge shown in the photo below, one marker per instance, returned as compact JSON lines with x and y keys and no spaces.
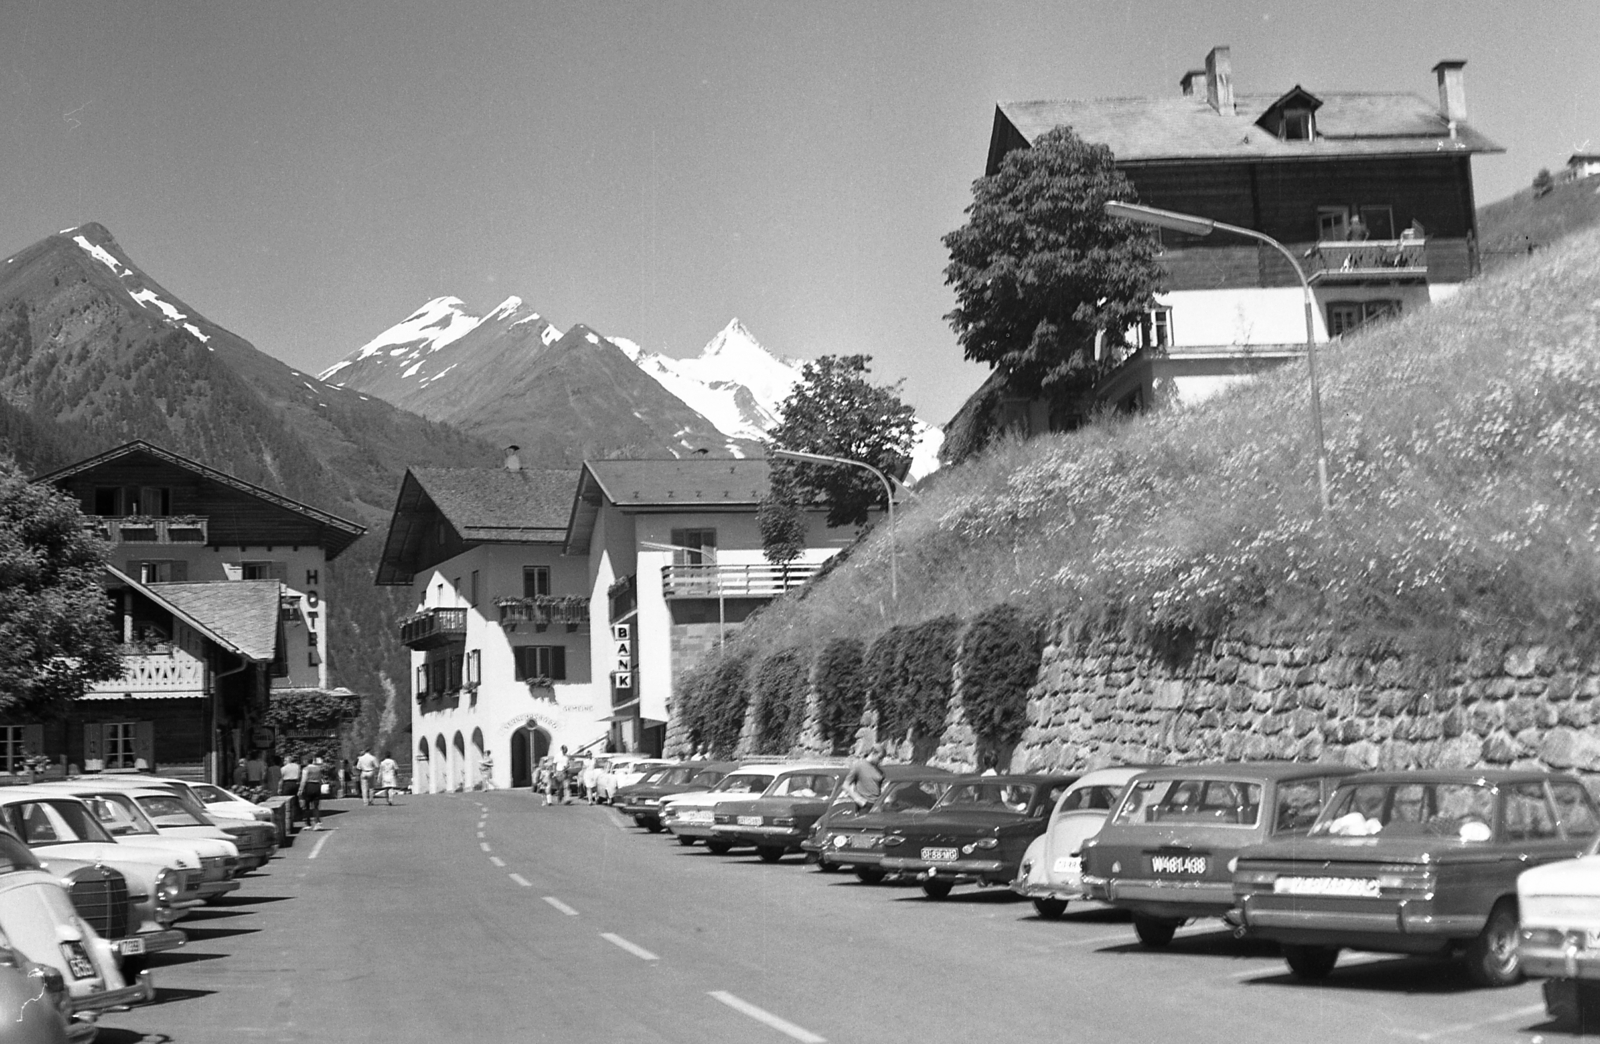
{"x":1000,"y":656}
{"x":841,"y":682}
{"x":780,"y":698}
{"x":724,"y":696}
{"x":913,"y":677}
{"x":312,"y":710}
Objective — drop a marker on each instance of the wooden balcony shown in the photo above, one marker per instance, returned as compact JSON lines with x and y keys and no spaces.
{"x":159,"y":669}
{"x":1372,"y":261}
{"x":570,"y":611}
{"x":434,"y":628}
{"x":761,"y":580}
{"x":148,"y":529}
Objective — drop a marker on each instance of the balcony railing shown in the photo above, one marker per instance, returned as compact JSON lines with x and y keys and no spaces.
{"x":433,"y":628}
{"x":149,"y":529}
{"x":1371,"y":260}
{"x":762,"y":580}
{"x":572,"y":611}
{"x":162,"y":668}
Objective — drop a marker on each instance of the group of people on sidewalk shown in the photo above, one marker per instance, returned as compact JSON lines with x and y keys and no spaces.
{"x":377,"y":776}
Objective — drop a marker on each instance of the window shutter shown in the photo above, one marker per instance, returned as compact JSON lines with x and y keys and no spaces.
{"x":558,"y":662}
{"x":144,"y":743}
{"x":422,"y":679}
{"x":519,"y":658}
{"x":94,"y":746}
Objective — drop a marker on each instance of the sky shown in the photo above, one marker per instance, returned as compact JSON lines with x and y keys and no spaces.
{"x":307,"y":174}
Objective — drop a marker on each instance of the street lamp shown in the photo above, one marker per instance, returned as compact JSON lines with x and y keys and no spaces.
{"x":888,"y":496}
{"x":1202,"y":226}
{"x":722,"y":619}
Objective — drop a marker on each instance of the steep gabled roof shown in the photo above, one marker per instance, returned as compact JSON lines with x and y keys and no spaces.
{"x":1140,"y":130}
{"x":336,"y":533}
{"x":240,"y":616}
{"x":472,"y":506}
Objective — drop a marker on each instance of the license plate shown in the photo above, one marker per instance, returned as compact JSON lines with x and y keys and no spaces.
{"x":1068,"y":865}
{"x":1358,"y":887}
{"x":862,"y":840}
{"x":130,"y":946}
{"x":940,"y":855}
{"x":1187,"y":865}
{"x":78,"y":960}
{"x":695,"y":817}
{"x":749,"y":820}
{"x":647,"y":801}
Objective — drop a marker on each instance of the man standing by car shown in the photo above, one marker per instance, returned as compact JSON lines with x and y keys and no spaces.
{"x":864,"y":782}
{"x":367,"y":767}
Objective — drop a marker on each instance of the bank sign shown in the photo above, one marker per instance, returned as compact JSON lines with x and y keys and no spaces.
{"x":622,"y":658}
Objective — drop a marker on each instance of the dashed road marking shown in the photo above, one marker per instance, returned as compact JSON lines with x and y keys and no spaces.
{"x":484,"y":845}
{"x":497,"y":861}
{"x":480,"y":833}
{"x":523,"y":881}
{"x":559,"y":905}
{"x":766,"y":1018}
{"x":318,"y":849}
{"x":633,"y":948}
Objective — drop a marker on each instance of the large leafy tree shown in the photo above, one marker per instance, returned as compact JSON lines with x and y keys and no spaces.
{"x":55,"y":632}
{"x":1039,"y":270}
{"x":837,"y":411}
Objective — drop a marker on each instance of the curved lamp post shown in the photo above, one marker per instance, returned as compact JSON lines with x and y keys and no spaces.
{"x":888,"y":493}
{"x":1201,"y":226}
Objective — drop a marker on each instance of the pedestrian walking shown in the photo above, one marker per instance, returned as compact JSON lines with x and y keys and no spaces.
{"x":388,"y":777}
{"x":241,"y":773}
{"x":289,"y":786}
{"x":345,"y":778}
{"x":486,"y":771}
{"x":311,"y":792}
{"x":255,"y":770}
{"x":274,"y":782}
{"x":367,"y":766}
{"x":864,"y":782}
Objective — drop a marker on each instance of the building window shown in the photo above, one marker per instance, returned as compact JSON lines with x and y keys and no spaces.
{"x":472,"y":593}
{"x":1345,"y":316}
{"x":422,"y":680}
{"x":541,"y":661}
{"x":121,"y":739}
{"x":453,"y":677}
{"x":13,"y":748}
{"x":1379,"y":221}
{"x":535,"y":581}
{"x":701,"y":545}
{"x":148,"y":571}
{"x":1296,"y":125}
{"x":1333,"y":224}
{"x":474,"y":667}
{"x":1155,"y":329}
{"x":263,"y":571}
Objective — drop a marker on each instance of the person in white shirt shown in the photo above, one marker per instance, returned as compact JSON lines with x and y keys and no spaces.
{"x":367,"y":766}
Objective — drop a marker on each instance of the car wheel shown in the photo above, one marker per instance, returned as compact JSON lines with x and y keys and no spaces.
{"x":1153,"y":931}
{"x":870,"y":875}
{"x":685,"y":841}
{"x":770,"y":855}
{"x":1310,"y":962}
{"x":1050,"y":909}
{"x":719,"y":847}
{"x":937,"y":889}
{"x":1492,"y":956}
{"x":652,"y":826}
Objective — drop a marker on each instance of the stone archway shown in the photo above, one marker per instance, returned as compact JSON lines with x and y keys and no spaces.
{"x":475,"y":765}
{"x":441,"y":765}
{"x":422,"y":771}
{"x":460,"y":770}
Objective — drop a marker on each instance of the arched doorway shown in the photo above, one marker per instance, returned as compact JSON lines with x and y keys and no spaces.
{"x":459,"y":769}
{"x":422,"y":771}
{"x":441,"y":765}
{"x":529,"y":746}
{"x":476,"y":765}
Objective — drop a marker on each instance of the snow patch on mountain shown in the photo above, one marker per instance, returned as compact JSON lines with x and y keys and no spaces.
{"x":438,"y":323}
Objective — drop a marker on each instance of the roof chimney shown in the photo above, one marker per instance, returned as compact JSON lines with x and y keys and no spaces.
{"x":1189,"y":80}
{"x":1219,"y":81}
{"x":1452,"y":90}
{"x":513,"y":462}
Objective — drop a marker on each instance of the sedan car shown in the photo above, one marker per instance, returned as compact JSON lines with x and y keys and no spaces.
{"x":1559,"y":905}
{"x":780,"y":819}
{"x":850,"y":838}
{"x":119,"y":812}
{"x":615,"y":771}
{"x":1167,"y":852}
{"x":34,"y":1005}
{"x":1421,"y":862}
{"x":976,"y":834}
{"x":643,"y":800}
{"x":227,"y":804}
{"x":186,"y":814}
{"x":691,"y":816}
{"x":1051,"y":873}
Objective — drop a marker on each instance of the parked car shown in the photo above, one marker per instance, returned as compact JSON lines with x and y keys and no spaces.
{"x":1421,"y":862}
{"x":781,"y":818}
{"x":1559,"y":905}
{"x":1167,"y":853}
{"x":34,"y":1005}
{"x":690,"y":816}
{"x":226,"y":803}
{"x":39,"y":921}
{"x":643,"y":800}
{"x":120,"y":814}
{"x":129,"y":893}
{"x":616,"y":771}
{"x":184,"y":813}
{"x":976,"y":834}
{"x":1051,"y":872}
{"x":848,"y":838}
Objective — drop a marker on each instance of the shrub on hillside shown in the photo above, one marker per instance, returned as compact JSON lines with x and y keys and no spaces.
{"x":780,"y":691}
{"x":999,"y":664}
{"x":724,"y":695}
{"x":916,"y":696}
{"x":841,"y":685}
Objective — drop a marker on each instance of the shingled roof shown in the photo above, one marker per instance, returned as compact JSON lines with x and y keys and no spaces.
{"x":688,"y":484}
{"x":1187,"y":128}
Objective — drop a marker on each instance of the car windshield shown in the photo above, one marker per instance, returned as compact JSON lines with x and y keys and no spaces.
{"x":744,"y":783}
{"x":42,"y":823}
{"x":671,"y":776}
{"x":1001,"y":797}
{"x":911,"y":794}
{"x":805,"y":785}
{"x":118,"y":814}
{"x":212,"y":795}
{"x":169,"y":811}
{"x":1214,"y":802}
{"x":1458,"y":810}
{"x":707,"y":778}
{"x":14,"y":856}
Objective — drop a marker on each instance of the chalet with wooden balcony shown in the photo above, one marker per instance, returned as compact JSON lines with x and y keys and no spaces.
{"x":1372,"y":189}
{"x":217,"y":588}
{"x":555,"y":607}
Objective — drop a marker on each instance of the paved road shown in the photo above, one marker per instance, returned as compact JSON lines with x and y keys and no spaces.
{"x":486,"y":917}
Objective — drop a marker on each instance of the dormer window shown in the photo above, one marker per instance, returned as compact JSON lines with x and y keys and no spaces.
{"x":1292,"y":117}
{"x":1296,"y":125}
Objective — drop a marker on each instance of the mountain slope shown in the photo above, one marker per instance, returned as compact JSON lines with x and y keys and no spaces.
{"x":1525,"y":222}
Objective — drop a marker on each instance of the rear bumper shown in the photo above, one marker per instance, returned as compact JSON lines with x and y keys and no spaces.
{"x":1544,"y":963}
{"x":1044,"y":889}
{"x":758,"y":835}
{"x":689,"y":829}
{"x":149,"y":942}
{"x":1274,"y":919}
{"x":969,"y":869}
{"x":140,"y":991}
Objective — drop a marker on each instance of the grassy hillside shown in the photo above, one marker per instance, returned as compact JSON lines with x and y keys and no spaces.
{"x":1512,"y":228}
{"x":1464,"y":450}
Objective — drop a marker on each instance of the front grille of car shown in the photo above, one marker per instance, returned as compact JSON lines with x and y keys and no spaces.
{"x":250,"y":838}
{"x":100,"y":895}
